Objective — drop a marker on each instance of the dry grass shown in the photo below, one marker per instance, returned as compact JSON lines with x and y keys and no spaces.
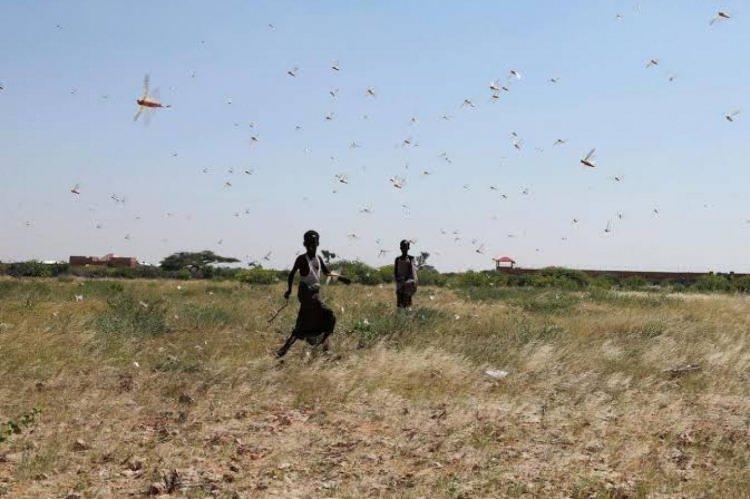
{"x":184,"y":392}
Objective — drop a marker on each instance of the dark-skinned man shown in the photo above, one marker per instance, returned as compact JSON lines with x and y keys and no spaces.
{"x":405,"y":275}
{"x":315,"y":321}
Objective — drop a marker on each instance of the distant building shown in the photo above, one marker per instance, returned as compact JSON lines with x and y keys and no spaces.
{"x":504,"y":262}
{"x":108,"y":260}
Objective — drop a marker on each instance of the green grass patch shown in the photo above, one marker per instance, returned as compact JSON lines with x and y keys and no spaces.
{"x":204,"y":316}
{"x":652,"y":299}
{"x":487,"y":293}
{"x":383,"y":322}
{"x":101,"y":288}
{"x":530,"y":300}
{"x":129,"y":316}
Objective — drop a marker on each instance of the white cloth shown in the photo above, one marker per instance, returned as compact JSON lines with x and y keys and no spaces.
{"x":313,"y":275}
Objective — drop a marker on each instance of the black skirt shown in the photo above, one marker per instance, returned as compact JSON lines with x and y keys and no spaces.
{"x":315,"y":317}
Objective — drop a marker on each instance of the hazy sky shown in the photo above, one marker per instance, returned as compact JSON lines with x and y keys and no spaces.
{"x":72,"y":70}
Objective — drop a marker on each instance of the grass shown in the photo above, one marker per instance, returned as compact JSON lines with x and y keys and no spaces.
{"x":143,"y":378}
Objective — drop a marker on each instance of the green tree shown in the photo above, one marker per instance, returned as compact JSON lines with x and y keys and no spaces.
{"x":359,"y":272}
{"x":328,"y":256}
{"x":422,"y":259}
{"x":194,"y":262}
{"x":430,"y":276}
{"x":385,"y":273}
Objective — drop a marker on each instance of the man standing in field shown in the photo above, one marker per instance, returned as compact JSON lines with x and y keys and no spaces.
{"x":315,"y":321}
{"x":405,"y":274}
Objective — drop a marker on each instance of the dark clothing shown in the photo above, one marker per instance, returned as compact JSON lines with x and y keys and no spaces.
{"x":315,"y":317}
{"x":404,"y":270}
{"x":403,"y":299}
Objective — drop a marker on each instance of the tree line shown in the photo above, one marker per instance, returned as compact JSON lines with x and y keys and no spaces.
{"x":208,"y":265}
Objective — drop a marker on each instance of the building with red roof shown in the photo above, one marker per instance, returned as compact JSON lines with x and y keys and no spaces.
{"x":504,"y":262}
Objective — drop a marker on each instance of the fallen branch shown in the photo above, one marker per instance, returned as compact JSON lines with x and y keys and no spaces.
{"x":678,"y":371}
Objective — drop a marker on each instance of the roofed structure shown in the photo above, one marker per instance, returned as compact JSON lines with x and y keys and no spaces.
{"x":504,"y":262}
{"x":108,"y":260}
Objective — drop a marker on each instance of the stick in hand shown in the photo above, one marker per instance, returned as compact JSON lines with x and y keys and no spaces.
{"x":278,"y":312}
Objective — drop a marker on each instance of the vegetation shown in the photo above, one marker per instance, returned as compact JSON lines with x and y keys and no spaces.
{"x":200,"y":262}
{"x":328,"y":256}
{"x":171,"y":386}
{"x":202,"y":265}
{"x":16,"y":426}
{"x":257,"y":275}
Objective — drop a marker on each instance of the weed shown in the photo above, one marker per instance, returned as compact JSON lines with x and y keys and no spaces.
{"x":126,"y":315}
{"x":16,"y":426}
{"x":205,"y":316}
{"x":103,"y":288}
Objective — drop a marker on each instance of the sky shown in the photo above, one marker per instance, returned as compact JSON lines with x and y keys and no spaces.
{"x":72,"y":71}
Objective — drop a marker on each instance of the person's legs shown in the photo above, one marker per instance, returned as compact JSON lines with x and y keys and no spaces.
{"x":324,"y":324}
{"x":328,"y":327}
{"x":287,"y":345}
{"x":400,"y":299}
{"x":303,"y":317}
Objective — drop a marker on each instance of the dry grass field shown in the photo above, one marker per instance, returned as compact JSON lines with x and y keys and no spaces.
{"x":166,"y":387}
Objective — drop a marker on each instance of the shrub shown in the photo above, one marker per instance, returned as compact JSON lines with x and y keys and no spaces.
{"x":711,"y":282}
{"x":34,"y":268}
{"x":564,"y":278}
{"x":223,"y":273}
{"x":470,"y":279}
{"x":122,"y":272}
{"x":634,"y":282}
{"x":677,"y":286}
{"x":101,"y":288}
{"x":741,"y":284}
{"x":256,"y":276}
{"x":182,"y":275}
{"x":91,"y":272}
{"x":12,"y":426}
{"x":149,"y":272}
{"x":429,"y":276}
{"x":603,"y":282}
{"x":385,"y":274}
{"x":383,"y":324}
{"x":359,"y":272}
{"x":127,"y":315}
{"x":521,"y":280}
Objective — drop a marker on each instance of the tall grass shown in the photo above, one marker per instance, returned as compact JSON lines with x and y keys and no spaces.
{"x":126,"y":315}
{"x":180,"y":377}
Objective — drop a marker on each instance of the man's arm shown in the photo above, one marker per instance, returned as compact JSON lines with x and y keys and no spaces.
{"x":290,"y":280}
{"x":395,"y":269}
{"x":324,"y":269}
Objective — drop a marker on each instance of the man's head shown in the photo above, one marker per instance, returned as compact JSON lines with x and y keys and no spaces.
{"x":405,"y":246}
{"x":311,"y":240}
